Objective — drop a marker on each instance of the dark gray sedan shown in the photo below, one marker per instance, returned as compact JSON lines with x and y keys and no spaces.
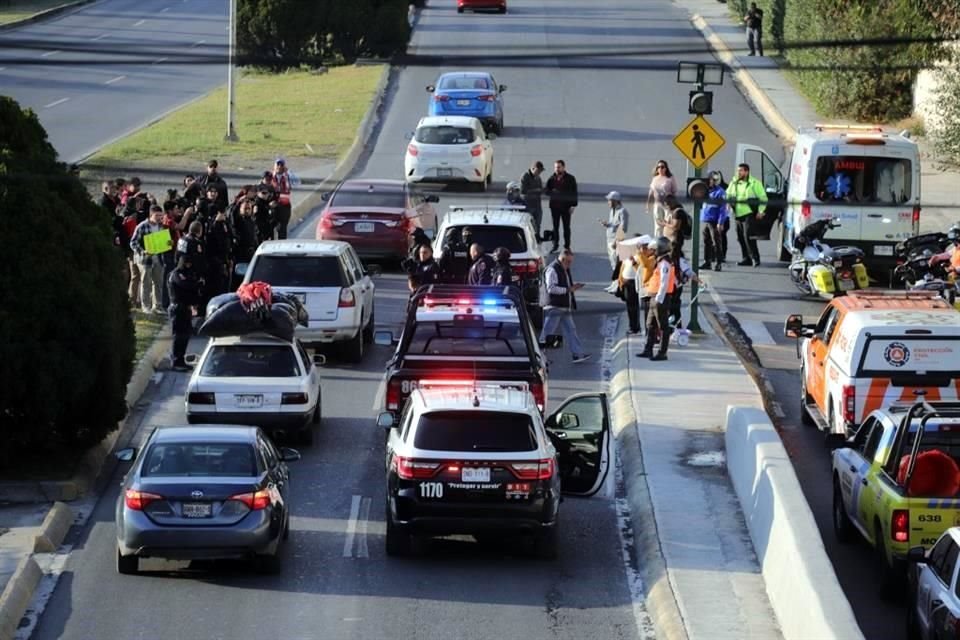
{"x":204,"y":492}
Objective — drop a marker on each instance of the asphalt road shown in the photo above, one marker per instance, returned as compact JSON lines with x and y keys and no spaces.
{"x":102,"y":71}
{"x":583,"y":86}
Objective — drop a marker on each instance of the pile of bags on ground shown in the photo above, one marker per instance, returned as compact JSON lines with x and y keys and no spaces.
{"x":254,"y":308}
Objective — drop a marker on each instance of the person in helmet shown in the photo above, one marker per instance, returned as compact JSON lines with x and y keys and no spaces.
{"x":661,"y":288}
{"x":952,"y":254}
{"x":514,"y":197}
{"x":455,"y":262}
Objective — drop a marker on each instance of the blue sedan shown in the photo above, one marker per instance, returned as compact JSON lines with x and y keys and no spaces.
{"x":468,"y":93}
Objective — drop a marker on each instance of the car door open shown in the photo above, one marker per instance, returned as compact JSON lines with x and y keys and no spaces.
{"x":580,"y":431}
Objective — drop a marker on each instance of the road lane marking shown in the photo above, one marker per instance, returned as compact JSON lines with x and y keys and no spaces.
{"x":378,"y":396}
{"x":757,"y":332}
{"x":50,"y":53}
{"x":197,"y":43}
{"x":55,"y":103}
{"x":117,"y":79}
{"x":3,"y":68}
{"x":351,"y":527}
{"x":362,"y":551}
{"x":101,"y":36}
{"x":165,"y":9}
{"x":629,"y":552}
{"x":138,"y":23}
{"x":159,"y":60}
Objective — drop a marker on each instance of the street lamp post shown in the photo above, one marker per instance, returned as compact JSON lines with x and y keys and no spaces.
{"x":232,"y":75}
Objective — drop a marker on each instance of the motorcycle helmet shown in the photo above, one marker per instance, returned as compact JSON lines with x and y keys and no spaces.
{"x":513,"y":186}
{"x":953,"y":234}
{"x":663,"y":246}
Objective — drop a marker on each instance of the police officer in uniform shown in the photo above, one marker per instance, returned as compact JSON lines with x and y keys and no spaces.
{"x":660,"y":288}
{"x":481,"y":271}
{"x":184,"y":287}
{"x":456,"y":262}
{"x":426,"y":271}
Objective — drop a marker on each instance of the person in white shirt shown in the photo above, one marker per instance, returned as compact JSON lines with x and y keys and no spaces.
{"x":616,"y":225}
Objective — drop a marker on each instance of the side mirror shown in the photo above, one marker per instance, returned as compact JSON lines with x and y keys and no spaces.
{"x":385,"y":420}
{"x":431,"y":88}
{"x":191,"y":359}
{"x":568,"y":421}
{"x":502,"y":88}
{"x":917,"y":555}
{"x":431,"y":198}
{"x":289,"y":455}
{"x":383,"y":338}
{"x":793,"y":326}
{"x":374,"y":270}
{"x":546,"y":235}
{"x":126,"y":455}
{"x":325,"y":195}
{"x":240,"y":269}
{"x":319,"y":359}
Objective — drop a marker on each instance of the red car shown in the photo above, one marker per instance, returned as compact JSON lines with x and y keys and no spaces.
{"x":499,"y":5}
{"x":377,"y":217}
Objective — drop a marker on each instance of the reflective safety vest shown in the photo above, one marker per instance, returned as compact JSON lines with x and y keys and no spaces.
{"x":955,"y":259}
{"x":653,"y":284}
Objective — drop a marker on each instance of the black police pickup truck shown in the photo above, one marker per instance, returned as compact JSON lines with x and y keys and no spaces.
{"x":460,"y":332}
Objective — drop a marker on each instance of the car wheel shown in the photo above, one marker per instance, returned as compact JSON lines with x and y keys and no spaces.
{"x":368,"y":330}
{"x":286,"y":528}
{"x":502,"y":10}
{"x":353,"y":349}
{"x":127,"y":565}
{"x":913,"y":625}
{"x":318,"y":410}
{"x":305,"y":435}
{"x":831,"y":418}
{"x":398,"y":541}
{"x":886,"y":582}
{"x":805,"y":416}
{"x":459,"y":9}
{"x":842,"y":527}
{"x":546,"y":542}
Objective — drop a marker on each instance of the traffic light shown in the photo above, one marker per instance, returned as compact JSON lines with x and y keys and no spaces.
{"x":697,"y":189}
{"x":701,"y":103}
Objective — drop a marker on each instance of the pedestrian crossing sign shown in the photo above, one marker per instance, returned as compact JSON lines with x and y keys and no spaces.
{"x":698,"y":141}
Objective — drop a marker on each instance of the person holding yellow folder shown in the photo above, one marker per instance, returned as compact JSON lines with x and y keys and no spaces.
{"x":149,"y":242}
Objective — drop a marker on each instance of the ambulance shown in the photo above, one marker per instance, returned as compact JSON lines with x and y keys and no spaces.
{"x":861,"y":176}
{"x":870,"y":349}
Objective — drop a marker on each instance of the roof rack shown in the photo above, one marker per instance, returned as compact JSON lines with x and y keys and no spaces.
{"x":848,"y":127}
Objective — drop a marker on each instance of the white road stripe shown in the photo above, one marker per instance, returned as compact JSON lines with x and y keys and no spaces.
{"x":165,"y":9}
{"x":138,"y":23}
{"x":3,"y":68}
{"x":198,"y":43}
{"x":362,"y":551}
{"x":378,"y":396}
{"x":50,"y":53}
{"x":757,"y":332}
{"x":55,"y":103}
{"x":117,"y":79}
{"x":351,"y":527}
{"x":101,"y":36}
{"x":159,"y":60}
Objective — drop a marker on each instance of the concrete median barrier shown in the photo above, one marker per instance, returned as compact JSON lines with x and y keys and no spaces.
{"x":17,"y":595}
{"x":54,"y":528}
{"x":801,"y":584}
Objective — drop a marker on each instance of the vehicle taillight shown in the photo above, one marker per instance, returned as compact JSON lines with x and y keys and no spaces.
{"x":254,"y":501}
{"x":849,"y":406}
{"x":476,"y":150}
{"x":538,"y":396}
{"x":411,"y":469}
{"x":293,"y":398}
{"x":393,"y":395}
{"x":805,"y":210}
{"x":201,"y":398}
{"x":487,"y":98}
{"x":413,"y":150}
{"x":900,"y":525}
{"x":539,"y":470}
{"x":916,"y":220}
{"x":138,"y":500}
{"x":347,"y":299}
{"x":441,"y":98}
{"x":326,"y":222}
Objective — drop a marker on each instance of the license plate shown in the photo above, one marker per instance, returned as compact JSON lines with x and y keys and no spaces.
{"x":475,"y":474}
{"x":846,"y":285}
{"x":444,"y":173}
{"x":196,"y":510}
{"x":364,"y":227}
{"x":249,"y":401}
{"x":883,"y":250}
{"x":463,"y":103}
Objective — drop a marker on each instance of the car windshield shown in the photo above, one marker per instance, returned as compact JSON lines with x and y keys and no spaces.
{"x":448,"y":338}
{"x":475,"y":431}
{"x":862,"y":180}
{"x":297,"y":271}
{"x":461,"y":84}
{"x":251,"y":361}
{"x":367,"y":198}
{"x":200,"y":459}
{"x":491,"y":236}
{"x":444,"y":135}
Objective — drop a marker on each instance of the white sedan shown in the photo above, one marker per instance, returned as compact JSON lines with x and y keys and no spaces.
{"x":256,"y":380}
{"x":450,"y":149}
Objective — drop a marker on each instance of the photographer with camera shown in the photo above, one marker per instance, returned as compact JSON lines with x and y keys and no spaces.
{"x":150,"y":265}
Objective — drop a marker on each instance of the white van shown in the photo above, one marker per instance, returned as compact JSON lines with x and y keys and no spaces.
{"x":867,"y":179}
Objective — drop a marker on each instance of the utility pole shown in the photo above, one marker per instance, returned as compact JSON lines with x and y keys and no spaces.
{"x":232,"y":75}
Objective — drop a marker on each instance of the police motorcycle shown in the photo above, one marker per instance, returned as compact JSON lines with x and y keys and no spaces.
{"x":917,"y":270}
{"x":816,"y":268}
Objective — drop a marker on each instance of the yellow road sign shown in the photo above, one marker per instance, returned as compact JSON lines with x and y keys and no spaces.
{"x":698,"y":141}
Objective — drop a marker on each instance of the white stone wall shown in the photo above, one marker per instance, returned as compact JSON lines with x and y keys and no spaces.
{"x":925,"y":95}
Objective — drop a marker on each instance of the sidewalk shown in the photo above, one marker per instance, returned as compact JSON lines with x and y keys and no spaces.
{"x":679,"y":408}
{"x":785,"y":109}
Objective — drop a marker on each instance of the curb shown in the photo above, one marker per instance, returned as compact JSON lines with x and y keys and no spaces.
{"x":54,"y":528}
{"x":43,"y":15}
{"x":349,"y":161}
{"x":661,"y":601}
{"x":17,"y":595}
{"x":749,"y":87}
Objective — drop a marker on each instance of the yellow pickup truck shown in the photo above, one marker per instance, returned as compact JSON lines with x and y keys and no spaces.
{"x":896,"y":482}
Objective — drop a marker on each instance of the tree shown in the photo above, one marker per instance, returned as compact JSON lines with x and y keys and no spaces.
{"x":67,"y":349}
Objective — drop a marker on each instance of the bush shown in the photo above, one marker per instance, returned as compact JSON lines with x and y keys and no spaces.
{"x":67,"y":349}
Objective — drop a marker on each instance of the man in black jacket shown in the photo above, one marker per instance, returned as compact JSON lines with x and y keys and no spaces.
{"x":562,"y":191}
{"x":481,"y":271}
{"x":219,"y":250}
{"x":184,"y":290}
{"x":213,"y":179}
{"x":531,"y":186}
{"x":558,"y":299}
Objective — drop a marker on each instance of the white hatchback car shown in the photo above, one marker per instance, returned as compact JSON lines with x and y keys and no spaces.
{"x":256,"y":380}
{"x":450,"y":149}
{"x":329,"y":280}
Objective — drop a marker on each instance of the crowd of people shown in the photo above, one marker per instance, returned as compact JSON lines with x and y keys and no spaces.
{"x":180,"y":250}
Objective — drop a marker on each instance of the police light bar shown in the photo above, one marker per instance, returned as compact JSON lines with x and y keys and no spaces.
{"x":460,"y":301}
{"x":472,"y":385}
{"x":487,"y":207}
